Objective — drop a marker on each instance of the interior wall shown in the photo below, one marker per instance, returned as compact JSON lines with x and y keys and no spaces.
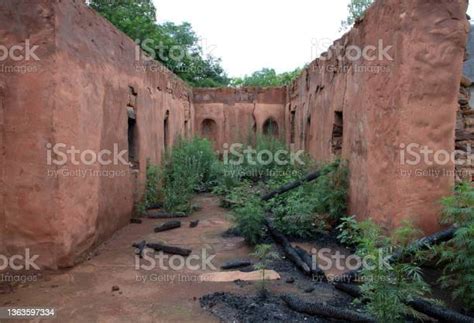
{"x":239,"y":112}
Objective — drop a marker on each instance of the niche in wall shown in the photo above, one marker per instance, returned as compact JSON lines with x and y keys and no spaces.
{"x":337,"y":133}
{"x":270,"y":127}
{"x":166,"y":130}
{"x":209,"y":129}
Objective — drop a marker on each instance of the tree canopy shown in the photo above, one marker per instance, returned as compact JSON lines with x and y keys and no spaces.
{"x":357,"y":9}
{"x":176,"y":46}
{"x":267,"y":77}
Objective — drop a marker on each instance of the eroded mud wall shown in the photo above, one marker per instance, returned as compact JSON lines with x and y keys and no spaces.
{"x":368,"y":110}
{"x":89,"y":94}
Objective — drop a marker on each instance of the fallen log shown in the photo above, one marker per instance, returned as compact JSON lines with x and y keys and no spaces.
{"x":319,"y":309}
{"x":317,"y":273}
{"x":424,"y":243}
{"x":169,"y":249}
{"x":157,"y":205}
{"x":292,"y":185}
{"x":420,"y":244}
{"x":140,"y":247}
{"x":236,"y":264}
{"x":432,"y":310}
{"x":439,"y":312}
{"x":290,"y":252}
{"x":160,"y":214}
{"x":170,"y":225}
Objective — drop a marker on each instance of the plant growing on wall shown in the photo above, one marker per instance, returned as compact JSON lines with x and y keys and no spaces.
{"x":357,"y":10}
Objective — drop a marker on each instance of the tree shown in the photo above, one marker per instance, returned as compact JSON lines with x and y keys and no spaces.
{"x":357,"y":9}
{"x":267,"y":77}
{"x":176,"y":46}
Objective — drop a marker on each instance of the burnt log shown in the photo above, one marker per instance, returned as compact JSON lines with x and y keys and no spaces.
{"x":292,"y":185}
{"x":317,"y":273}
{"x":424,"y":243}
{"x":160,"y":214}
{"x":432,"y":310}
{"x":170,"y":225}
{"x":319,"y":309}
{"x":169,"y":249}
{"x":290,"y":252}
{"x":236,"y":264}
{"x":140,"y":247}
{"x":439,"y":312}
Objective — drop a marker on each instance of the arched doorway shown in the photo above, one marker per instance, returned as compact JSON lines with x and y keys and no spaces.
{"x":270,"y":127}
{"x":209,"y":130}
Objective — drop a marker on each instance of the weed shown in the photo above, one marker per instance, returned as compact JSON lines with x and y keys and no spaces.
{"x":265,"y":255}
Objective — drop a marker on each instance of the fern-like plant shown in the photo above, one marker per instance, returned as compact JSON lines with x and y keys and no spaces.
{"x":458,"y":254}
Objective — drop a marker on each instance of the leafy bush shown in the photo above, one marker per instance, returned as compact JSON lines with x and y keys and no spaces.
{"x":250,"y":220}
{"x":458,"y":254}
{"x":349,"y":231}
{"x":191,"y":165}
{"x":311,"y":207}
{"x":386,"y":288}
{"x":151,"y":188}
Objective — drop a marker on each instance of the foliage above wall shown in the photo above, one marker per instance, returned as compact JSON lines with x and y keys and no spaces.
{"x":176,"y":46}
{"x":267,"y":77}
{"x":357,"y":9}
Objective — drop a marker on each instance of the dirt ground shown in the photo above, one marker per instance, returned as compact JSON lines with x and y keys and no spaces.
{"x":108,"y":288}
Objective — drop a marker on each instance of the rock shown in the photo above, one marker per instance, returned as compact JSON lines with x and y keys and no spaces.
{"x":290,"y":280}
{"x":115,"y":288}
{"x":194,"y":223}
{"x":309,"y":289}
{"x":136,"y":221}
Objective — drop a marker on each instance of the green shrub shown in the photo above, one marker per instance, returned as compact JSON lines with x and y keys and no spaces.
{"x":330,"y":191}
{"x":313,"y":206}
{"x":348,"y":231}
{"x":191,"y":165}
{"x":386,"y":288}
{"x":151,"y":196}
{"x":250,"y":220}
{"x":458,"y":254}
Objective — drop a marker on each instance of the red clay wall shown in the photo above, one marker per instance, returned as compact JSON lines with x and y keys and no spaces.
{"x":78,"y":97}
{"x":238,"y":113}
{"x":410,"y":99}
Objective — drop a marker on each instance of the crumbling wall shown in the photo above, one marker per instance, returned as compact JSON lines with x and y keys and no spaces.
{"x":88,"y":87}
{"x":240,"y":113}
{"x":465,"y":134}
{"x":409,"y":96}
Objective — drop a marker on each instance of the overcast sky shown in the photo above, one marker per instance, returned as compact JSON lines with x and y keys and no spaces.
{"x":250,"y":34}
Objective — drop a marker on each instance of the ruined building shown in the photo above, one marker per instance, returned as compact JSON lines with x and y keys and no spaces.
{"x":87,"y":92}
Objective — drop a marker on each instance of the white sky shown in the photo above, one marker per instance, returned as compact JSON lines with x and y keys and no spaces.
{"x":250,"y":34}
